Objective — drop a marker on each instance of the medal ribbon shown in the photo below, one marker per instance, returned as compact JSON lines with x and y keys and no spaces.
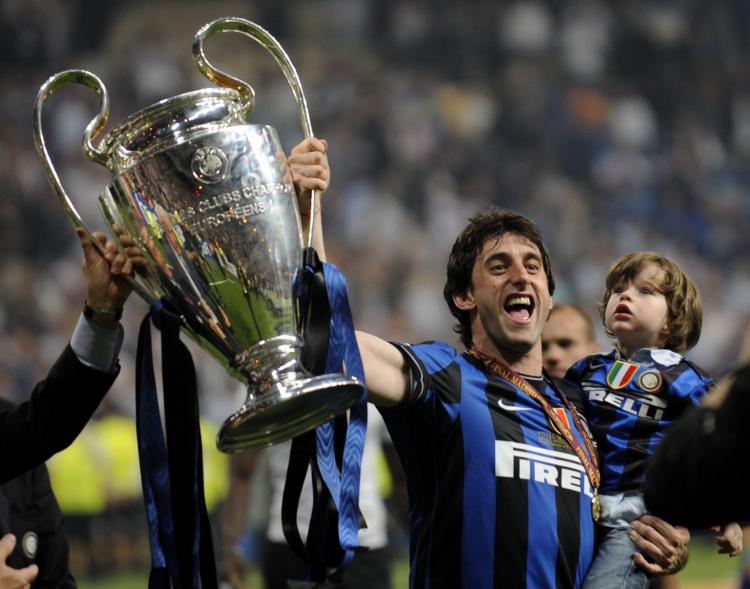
{"x":334,"y":451}
{"x":589,"y":460}
{"x":182,"y":554}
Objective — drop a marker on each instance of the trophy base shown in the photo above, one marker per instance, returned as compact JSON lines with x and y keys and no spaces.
{"x":288,"y":412}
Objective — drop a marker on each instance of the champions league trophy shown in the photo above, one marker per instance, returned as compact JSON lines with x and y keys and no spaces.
{"x":210,"y":200}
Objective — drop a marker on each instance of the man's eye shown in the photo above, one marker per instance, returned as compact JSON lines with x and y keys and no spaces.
{"x":533,"y":267}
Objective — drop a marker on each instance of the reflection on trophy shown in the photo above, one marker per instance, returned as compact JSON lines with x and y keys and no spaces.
{"x":210,"y":200}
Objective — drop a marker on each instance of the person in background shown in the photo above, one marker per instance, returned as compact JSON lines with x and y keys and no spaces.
{"x":370,"y":569}
{"x":568,"y":336}
{"x":61,"y":404}
{"x":30,"y":511}
{"x":706,"y":455}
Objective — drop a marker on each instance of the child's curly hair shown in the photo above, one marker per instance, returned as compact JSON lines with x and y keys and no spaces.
{"x":685,"y":310}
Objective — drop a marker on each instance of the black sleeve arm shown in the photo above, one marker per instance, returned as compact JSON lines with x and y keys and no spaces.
{"x":58,"y":409}
{"x":697,"y":476}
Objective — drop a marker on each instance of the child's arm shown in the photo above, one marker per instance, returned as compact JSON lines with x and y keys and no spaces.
{"x":729,"y":538}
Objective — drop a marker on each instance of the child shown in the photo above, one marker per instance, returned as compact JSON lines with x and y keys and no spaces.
{"x":653,"y":311}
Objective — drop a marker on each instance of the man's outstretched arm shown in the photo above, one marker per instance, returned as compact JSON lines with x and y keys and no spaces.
{"x":385,"y":369}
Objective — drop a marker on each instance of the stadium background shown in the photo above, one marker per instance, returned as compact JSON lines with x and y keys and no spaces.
{"x":616,"y":125}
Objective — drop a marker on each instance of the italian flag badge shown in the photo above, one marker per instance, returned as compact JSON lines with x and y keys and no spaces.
{"x":621,"y":374}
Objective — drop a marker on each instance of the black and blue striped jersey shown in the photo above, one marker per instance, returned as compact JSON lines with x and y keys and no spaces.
{"x":497,"y":497}
{"x":629,"y":404}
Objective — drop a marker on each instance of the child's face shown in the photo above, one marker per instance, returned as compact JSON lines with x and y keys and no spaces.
{"x":637,"y":311}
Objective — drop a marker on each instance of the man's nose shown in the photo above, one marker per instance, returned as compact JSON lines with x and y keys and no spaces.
{"x":520,"y":275}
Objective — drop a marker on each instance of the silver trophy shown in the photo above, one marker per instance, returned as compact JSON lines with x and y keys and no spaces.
{"x":210,"y":200}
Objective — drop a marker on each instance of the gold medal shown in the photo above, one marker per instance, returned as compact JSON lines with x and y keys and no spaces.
{"x":596,"y":506}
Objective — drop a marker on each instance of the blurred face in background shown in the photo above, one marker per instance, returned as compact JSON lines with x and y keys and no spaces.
{"x":568,"y":336}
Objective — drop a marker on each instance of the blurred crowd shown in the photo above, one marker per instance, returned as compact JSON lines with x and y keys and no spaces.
{"x":617,"y":125}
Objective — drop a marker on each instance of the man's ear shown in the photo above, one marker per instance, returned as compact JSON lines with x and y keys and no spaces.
{"x":465,"y":301}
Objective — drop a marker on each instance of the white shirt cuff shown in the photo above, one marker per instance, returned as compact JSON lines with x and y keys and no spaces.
{"x":95,"y":346}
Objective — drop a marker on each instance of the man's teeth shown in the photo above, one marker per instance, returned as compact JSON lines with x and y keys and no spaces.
{"x":519,"y":301}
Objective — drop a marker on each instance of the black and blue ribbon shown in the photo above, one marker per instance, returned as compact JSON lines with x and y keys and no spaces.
{"x":343,"y":356}
{"x":334,"y":451}
{"x":172,"y":471}
{"x":172,"y":468}
{"x":152,"y":454}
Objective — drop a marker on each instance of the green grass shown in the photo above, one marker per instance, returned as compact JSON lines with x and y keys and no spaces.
{"x":130,"y":581}
{"x":705,"y":564}
{"x":140,"y":580}
{"x":704,"y":567}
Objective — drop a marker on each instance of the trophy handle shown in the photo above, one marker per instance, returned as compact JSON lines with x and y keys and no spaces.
{"x":264,"y":38}
{"x":90,"y":151}
{"x":93,"y":129}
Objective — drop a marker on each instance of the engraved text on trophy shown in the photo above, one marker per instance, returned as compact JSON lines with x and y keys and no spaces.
{"x":236,"y":205}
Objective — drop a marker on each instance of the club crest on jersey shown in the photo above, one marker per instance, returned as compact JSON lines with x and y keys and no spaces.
{"x":621,"y":374}
{"x":560,"y":411}
{"x":649,"y":381}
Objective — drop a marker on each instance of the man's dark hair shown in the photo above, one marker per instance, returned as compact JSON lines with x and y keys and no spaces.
{"x":487,"y":224}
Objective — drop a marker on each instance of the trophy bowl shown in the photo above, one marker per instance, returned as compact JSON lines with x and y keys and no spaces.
{"x":210,"y":200}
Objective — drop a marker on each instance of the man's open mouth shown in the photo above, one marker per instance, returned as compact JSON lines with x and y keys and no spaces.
{"x":519,"y":307}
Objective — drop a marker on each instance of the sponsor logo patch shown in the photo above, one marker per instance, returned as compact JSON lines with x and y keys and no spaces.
{"x":508,"y":407}
{"x":642,"y":405}
{"x":541,"y":465}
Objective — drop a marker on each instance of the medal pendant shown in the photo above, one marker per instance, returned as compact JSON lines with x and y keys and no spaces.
{"x":596,"y":507}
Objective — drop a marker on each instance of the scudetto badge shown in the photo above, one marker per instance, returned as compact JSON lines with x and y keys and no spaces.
{"x":649,"y":381}
{"x":621,"y":374}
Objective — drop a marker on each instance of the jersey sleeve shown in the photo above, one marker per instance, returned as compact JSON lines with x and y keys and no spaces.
{"x":434,"y":379}
{"x":688,"y":381}
{"x":575,"y":373}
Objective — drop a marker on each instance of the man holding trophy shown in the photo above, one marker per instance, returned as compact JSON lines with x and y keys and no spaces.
{"x":210,"y":199}
{"x":61,"y":405}
{"x":501,"y":470}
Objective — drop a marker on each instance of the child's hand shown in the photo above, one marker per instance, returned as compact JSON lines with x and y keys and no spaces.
{"x":729,"y":538}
